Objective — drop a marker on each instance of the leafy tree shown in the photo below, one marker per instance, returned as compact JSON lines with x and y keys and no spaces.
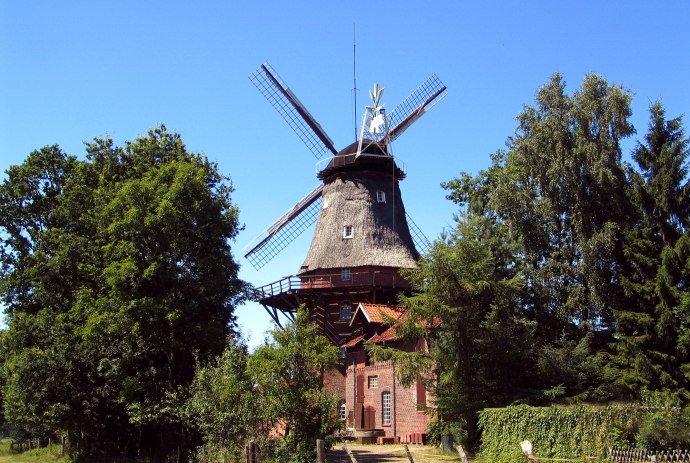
{"x":117,"y":272}
{"x":225,"y":406}
{"x":288,"y":370}
{"x":561,"y":191}
{"x":527,"y":285}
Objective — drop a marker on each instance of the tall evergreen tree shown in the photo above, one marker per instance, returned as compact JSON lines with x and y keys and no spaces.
{"x":648,"y":327}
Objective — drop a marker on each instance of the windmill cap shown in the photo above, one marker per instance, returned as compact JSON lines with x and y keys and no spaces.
{"x":373,"y":157}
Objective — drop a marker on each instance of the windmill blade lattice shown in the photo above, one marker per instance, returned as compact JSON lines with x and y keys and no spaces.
{"x":415,"y":106}
{"x":421,"y":242}
{"x":274,"y":89}
{"x":285,"y":230}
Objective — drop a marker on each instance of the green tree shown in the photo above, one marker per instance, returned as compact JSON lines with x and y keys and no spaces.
{"x":225,"y":406}
{"x":648,"y":324}
{"x":466,"y":304}
{"x":117,"y":272}
{"x":288,"y":370}
{"x":562,"y":192}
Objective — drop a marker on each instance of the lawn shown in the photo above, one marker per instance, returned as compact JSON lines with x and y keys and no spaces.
{"x":32,"y":456}
{"x":394,"y":453}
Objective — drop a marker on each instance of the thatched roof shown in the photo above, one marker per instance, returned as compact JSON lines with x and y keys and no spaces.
{"x":380,"y":235}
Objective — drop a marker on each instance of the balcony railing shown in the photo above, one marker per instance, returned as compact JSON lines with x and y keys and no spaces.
{"x":330,"y":281}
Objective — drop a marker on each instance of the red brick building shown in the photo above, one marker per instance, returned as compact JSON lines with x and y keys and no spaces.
{"x":374,"y":398}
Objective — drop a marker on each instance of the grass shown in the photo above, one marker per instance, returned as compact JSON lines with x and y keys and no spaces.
{"x":392,"y":453}
{"x":31,"y":456}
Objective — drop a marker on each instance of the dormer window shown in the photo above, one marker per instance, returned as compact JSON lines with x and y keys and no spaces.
{"x":346,"y":274}
{"x":380,"y":196}
{"x":347,"y":232}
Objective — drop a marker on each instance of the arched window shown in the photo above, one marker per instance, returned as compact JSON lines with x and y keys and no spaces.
{"x":345,"y":310}
{"x":386,"y":407}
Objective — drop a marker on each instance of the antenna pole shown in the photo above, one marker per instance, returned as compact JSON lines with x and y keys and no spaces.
{"x":354,"y":74}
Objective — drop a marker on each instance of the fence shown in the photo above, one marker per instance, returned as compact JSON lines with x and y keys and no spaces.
{"x":619,"y":455}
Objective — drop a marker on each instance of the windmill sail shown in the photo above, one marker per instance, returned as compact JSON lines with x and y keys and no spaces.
{"x":292,"y":110}
{"x":421,"y":242}
{"x":415,"y":106}
{"x":284,"y":230}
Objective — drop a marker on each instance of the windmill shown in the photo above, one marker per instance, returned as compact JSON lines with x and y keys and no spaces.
{"x":363,"y":235}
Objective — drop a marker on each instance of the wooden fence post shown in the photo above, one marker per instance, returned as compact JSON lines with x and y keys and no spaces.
{"x":461,"y":452}
{"x":320,"y":451}
{"x":409,"y":455}
{"x":349,"y":453}
{"x":251,"y":452}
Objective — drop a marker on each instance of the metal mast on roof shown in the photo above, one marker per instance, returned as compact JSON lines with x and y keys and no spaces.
{"x":354,"y":75}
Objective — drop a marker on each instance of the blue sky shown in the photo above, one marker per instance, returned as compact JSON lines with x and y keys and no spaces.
{"x":73,"y":70}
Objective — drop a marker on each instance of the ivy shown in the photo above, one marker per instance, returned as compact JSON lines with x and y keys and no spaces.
{"x":579,"y":432}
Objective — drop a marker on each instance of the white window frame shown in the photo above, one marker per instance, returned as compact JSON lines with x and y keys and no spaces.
{"x":346,"y":274}
{"x":386,"y":408}
{"x":348,"y":232}
{"x":373,"y":381}
{"x":343,"y":305}
{"x":381,"y":196}
{"x":343,"y":411}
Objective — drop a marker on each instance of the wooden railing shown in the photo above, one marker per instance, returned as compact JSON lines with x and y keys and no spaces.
{"x":326,"y":281}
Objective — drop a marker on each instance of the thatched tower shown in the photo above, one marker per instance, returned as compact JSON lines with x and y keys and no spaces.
{"x":362,"y":221}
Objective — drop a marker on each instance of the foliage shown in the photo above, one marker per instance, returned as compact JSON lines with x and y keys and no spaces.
{"x":477,"y":351}
{"x":116,"y":274}
{"x":288,"y":371}
{"x":560,"y":189}
{"x":665,"y":424}
{"x":556,"y":432}
{"x":40,"y":455}
{"x":224,"y":405}
{"x":650,"y":324}
{"x":565,"y":278}
{"x":561,"y":194}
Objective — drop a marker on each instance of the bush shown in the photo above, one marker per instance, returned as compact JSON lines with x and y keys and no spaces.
{"x":665,"y":425}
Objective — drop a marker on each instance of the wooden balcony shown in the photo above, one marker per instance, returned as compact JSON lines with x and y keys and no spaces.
{"x":288,"y":293}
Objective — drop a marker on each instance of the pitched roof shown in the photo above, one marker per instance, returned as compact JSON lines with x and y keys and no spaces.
{"x":353,"y":342}
{"x":378,"y":313}
{"x":390,"y":334}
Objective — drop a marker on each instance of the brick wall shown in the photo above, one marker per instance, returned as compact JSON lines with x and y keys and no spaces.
{"x":405,"y":417}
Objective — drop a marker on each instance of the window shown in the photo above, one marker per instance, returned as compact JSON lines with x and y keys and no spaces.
{"x":345,"y":310}
{"x":343,"y":412}
{"x":342,"y":352}
{"x":373,"y":381}
{"x":346,"y":274}
{"x":386,"y":407}
{"x":347,"y":231}
{"x":380,"y":196}
{"x":421,"y":395}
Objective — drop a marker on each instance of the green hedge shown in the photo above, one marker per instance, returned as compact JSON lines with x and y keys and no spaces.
{"x":573,"y":432}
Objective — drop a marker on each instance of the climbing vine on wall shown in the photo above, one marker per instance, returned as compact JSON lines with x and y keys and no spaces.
{"x":575,"y":432}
